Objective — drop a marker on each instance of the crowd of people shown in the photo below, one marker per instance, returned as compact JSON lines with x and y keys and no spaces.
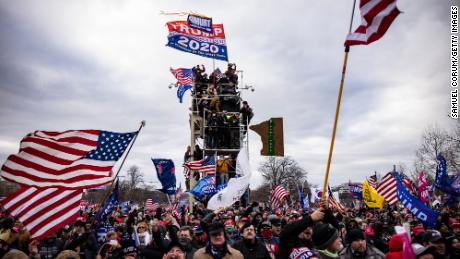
{"x":255,"y":231}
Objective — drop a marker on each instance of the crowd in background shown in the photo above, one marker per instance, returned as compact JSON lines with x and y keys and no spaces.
{"x":255,"y":231}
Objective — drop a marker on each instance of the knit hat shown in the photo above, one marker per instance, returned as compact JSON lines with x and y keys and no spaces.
{"x":355,"y":234}
{"x":215,"y":227}
{"x":324,"y":235}
{"x":301,"y":253}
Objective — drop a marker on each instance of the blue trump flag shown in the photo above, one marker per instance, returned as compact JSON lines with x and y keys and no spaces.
{"x":109,"y":205}
{"x":443,"y":182}
{"x":166,"y":175}
{"x":414,"y":205}
{"x":205,"y":187}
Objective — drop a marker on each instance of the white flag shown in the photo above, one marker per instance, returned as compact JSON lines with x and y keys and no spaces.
{"x":236,"y":186}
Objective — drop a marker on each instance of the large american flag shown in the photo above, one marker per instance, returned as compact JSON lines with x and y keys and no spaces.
{"x":376,"y":18}
{"x":53,"y":168}
{"x":184,"y":76}
{"x":206,"y":165}
{"x":387,"y":188}
{"x":277,"y":196}
{"x":43,"y":210}
{"x":71,"y":159}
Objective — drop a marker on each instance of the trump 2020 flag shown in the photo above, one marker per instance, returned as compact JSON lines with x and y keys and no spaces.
{"x":166,"y":174}
{"x":109,"y":205}
{"x":414,"y":205}
{"x":205,"y":187}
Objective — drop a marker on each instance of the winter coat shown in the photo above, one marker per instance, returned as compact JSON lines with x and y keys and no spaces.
{"x":232,"y":253}
{"x":371,"y":253}
{"x":250,"y":250}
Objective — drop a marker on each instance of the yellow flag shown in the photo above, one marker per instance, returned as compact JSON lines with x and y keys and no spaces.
{"x":371,"y":196}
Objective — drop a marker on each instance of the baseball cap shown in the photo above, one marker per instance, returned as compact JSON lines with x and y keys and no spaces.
{"x":432,"y":236}
{"x":421,"y":250}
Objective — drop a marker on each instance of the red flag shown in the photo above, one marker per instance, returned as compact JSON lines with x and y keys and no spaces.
{"x":376,"y":18}
{"x":43,"y":211}
{"x":423,"y":188}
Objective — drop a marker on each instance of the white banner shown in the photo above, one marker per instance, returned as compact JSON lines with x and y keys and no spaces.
{"x":236,"y":186}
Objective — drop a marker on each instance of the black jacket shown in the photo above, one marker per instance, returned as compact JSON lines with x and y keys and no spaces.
{"x":250,"y":250}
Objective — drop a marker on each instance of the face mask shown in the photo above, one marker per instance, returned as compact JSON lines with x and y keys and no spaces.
{"x":266,"y":233}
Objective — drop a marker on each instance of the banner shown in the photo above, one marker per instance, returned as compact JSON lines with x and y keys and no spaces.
{"x":109,"y":205}
{"x":236,"y":187}
{"x":166,"y":175}
{"x":356,"y":190}
{"x":184,"y":38}
{"x":200,"y":22}
{"x":371,"y":197}
{"x":205,"y":187}
{"x":414,"y":205}
{"x":271,"y":133}
{"x":443,"y":182}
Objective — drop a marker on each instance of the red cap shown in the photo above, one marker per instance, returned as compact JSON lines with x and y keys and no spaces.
{"x":456,"y":225}
{"x":244,"y":219}
{"x":369,"y":231}
{"x":229,"y":222}
{"x":417,"y":230}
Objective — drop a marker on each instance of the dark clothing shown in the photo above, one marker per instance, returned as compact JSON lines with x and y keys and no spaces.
{"x":289,"y":236}
{"x":251,"y":250}
{"x":50,"y":247}
{"x":371,"y":253}
{"x":87,"y":243}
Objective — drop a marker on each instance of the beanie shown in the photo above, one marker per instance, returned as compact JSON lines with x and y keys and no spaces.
{"x":355,"y":234}
{"x":324,"y":235}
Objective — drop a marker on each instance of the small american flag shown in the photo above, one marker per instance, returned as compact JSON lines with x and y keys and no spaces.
{"x":205,"y":166}
{"x":184,"y":76}
{"x":277,"y":196}
{"x":149,"y":205}
{"x":409,"y":184}
{"x":387,"y":188}
{"x":334,"y":203}
{"x":372,"y":180}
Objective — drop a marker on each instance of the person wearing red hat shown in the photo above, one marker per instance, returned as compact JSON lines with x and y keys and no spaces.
{"x":417,"y":234}
{"x":456,"y":229}
{"x":395,"y":247}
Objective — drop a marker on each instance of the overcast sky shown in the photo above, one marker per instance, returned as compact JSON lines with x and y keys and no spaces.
{"x":103,"y":65}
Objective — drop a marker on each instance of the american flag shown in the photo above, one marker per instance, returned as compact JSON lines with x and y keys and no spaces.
{"x":73,"y":159}
{"x":184,"y":76}
{"x":150,"y":205}
{"x":376,"y":18}
{"x":372,"y":180}
{"x":206,"y":165}
{"x":43,"y":210}
{"x":218,"y":74}
{"x":387,"y":188}
{"x":334,"y":203}
{"x":277,"y":196}
{"x":409,"y":184}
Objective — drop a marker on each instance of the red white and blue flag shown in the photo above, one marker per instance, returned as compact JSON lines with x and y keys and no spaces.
{"x":184,"y":78}
{"x":387,"y":188}
{"x":205,"y":166}
{"x":278,"y":196}
{"x":74,"y":159}
{"x":376,"y":17}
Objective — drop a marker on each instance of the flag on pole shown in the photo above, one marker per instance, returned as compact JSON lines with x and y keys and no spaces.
{"x":409,"y":184}
{"x":372,"y":180}
{"x":443,"y":182}
{"x":109,"y":204}
{"x":166,"y":174}
{"x":334,"y":203}
{"x":73,"y":159}
{"x":387,"y":188}
{"x":43,"y":211}
{"x":184,"y":78}
{"x":376,"y":18}
{"x":150,"y":205}
{"x":371,"y":197}
{"x":277,"y":196}
{"x":206,"y":165}
{"x":423,"y":188}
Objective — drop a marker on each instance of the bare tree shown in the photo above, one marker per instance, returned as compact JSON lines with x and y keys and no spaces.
{"x":284,"y":171}
{"x":134,"y":177}
{"x":434,"y":142}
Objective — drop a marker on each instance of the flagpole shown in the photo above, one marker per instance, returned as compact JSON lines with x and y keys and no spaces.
{"x":121,"y":165}
{"x":337,"y":110}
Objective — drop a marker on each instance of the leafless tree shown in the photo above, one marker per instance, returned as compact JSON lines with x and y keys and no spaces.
{"x":134,"y":177}
{"x":283,"y":171}
{"x":435,"y":141}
